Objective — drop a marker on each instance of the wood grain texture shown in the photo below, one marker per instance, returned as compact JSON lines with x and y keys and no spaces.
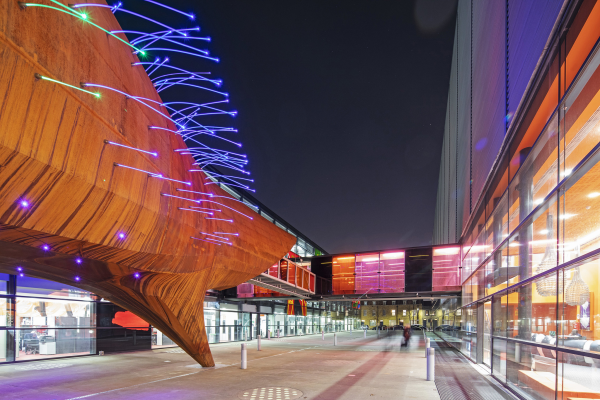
{"x":53,"y":154}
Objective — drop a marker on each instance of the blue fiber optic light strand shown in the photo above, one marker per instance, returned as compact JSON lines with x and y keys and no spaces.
{"x":213,"y":145}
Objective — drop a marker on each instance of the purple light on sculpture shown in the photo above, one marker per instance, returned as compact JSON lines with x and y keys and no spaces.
{"x":78,"y":260}
{"x":136,"y":275}
{"x":220,"y":219}
{"x":191,"y":191}
{"x":77,"y":278}
{"x":21,"y":275}
{"x":121,"y":236}
{"x":46,"y":247}
{"x":24,"y":203}
{"x":198,"y":211}
{"x":19,"y":269}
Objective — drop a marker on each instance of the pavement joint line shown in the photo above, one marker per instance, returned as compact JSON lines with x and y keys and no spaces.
{"x":180,"y":376}
{"x":132,"y":386}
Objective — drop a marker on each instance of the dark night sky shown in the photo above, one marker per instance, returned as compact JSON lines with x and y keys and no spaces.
{"x":341,"y":110}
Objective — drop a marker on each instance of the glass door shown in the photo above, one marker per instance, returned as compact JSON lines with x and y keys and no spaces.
{"x":487,"y":333}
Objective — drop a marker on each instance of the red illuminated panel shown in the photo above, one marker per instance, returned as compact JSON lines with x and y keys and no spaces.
{"x":391,"y":277}
{"x":446,"y":269}
{"x":129,"y":320}
{"x":284,"y":266}
{"x":367,"y":273}
{"x":343,"y":275}
{"x":274,"y":271}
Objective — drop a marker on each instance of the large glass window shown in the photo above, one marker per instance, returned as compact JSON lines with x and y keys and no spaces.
{"x":446,"y":269}
{"x":343,"y":275}
{"x":579,"y":311}
{"x":391,"y":276}
{"x":367,"y":273}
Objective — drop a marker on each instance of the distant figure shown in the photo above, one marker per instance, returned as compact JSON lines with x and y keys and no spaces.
{"x":406,"y":335}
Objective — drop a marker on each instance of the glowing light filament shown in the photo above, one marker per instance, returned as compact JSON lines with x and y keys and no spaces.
{"x":155,"y":154}
{"x":45,"y":78}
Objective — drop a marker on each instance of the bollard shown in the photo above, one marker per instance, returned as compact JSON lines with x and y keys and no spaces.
{"x":365,"y":333}
{"x":269,"y":334}
{"x":335,"y":339}
{"x":427,"y":346}
{"x":277,"y":333}
{"x":244,"y":357}
{"x":431,"y":364}
{"x":258,"y":342}
{"x":377,"y":332}
{"x":322,"y":334}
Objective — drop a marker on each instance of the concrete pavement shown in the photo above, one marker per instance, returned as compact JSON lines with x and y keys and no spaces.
{"x":303,"y":367}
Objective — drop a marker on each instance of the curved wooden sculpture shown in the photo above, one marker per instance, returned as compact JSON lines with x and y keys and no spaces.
{"x":70,"y":214}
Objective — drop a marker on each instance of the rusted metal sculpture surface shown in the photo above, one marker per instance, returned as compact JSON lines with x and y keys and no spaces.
{"x":71,"y":213}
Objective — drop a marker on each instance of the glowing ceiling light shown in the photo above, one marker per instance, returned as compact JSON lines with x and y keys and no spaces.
{"x":446,"y":251}
{"x":24,"y":203}
{"x":395,"y":255}
{"x":46,"y":247}
{"x":367,"y":259}
{"x":567,"y":216}
{"x":77,"y":278}
{"x":136,"y":275}
{"x":593,"y":195}
{"x":220,"y":219}
{"x":78,"y":260}
{"x":121,"y":235}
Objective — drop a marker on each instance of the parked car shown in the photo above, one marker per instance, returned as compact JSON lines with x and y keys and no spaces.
{"x":417,"y":327}
{"x":444,"y":327}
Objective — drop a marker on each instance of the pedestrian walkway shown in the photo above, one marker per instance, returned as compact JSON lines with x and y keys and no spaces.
{"x":457,"y":379}
{"x":304,"y":367}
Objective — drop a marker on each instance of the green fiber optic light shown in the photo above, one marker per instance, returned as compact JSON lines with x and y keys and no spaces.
{"x":82,"y":16}
{"x":45,"y":78}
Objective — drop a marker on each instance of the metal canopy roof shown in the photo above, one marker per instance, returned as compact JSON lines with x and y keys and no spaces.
{"x":270,"y":282}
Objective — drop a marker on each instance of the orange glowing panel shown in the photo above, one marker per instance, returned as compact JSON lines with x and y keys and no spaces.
{"x":343,"y":275}
{"x":129,"y":320}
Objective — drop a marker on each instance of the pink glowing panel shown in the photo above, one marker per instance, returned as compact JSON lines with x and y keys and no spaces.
{"x":446,"y":269}
{"x":245,"y":290}
{"x":392,"y":272}
{"x":367,"y":273}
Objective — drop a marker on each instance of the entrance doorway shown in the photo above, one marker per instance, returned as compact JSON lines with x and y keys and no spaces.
{"x":487,"y":333}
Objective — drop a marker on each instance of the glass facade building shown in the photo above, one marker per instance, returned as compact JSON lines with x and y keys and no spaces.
{"x":41,"y":319}
{"x":530,"y":237}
